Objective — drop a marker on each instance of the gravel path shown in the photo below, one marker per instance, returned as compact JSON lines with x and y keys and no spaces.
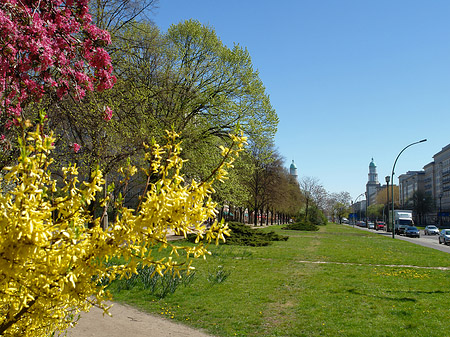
{"x":127,"y":321}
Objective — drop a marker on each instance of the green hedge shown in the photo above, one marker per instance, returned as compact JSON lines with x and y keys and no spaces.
{"x":302,"y":226}
{"x":243,"y":235}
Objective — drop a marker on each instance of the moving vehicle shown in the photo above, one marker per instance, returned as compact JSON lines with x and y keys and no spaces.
{"x":402,"y":219}
{"x":431,"y":230}
{"x":371,"y":225}
{"x":412,"y":232}
{"x":361,"y":224}
{"x":444,"y":236}
{"x":380,"y":225}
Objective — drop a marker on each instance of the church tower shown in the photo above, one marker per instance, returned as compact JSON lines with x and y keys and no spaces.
{"x":373,"y":175}
{"x":372,"y":184}
{"x":293,"y":170}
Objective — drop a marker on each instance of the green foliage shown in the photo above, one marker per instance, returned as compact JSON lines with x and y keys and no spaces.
{"x":219,"y":275}
{"x":315,"y":216}
{"x":375,"y":211}
{"x":146,"y":278}
{"x":244,"y":235}
{"x":326,"y":283}
{"x":302,"y":226}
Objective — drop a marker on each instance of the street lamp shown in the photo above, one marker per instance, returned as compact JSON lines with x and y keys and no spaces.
{"x":359,"y":205}
{"x":388,"y":178}
{"x":367,"y":209}
{"x":440,"y":210}
{"x":392,"y":181}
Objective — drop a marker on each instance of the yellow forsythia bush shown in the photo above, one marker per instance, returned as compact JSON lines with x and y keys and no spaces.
{"x":52,"y":253}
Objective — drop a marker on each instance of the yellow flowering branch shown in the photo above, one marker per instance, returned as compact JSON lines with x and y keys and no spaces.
{"x":50,"y":259}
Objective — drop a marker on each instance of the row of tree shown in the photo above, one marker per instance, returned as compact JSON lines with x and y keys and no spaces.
{"x":186,"y":80}
{"x":57,"y":254}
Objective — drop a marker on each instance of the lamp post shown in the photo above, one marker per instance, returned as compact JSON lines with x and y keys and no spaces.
{"x":388,"y":178}
{"x":440,"y":210}
{"x":367,"y":210}
{"x":392,"y":182}
{"x":359,"y":204}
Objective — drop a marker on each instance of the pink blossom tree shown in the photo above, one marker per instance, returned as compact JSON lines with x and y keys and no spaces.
{"x":48,"y":47}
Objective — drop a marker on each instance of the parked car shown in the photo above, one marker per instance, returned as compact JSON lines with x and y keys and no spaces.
{"x":444,"y":236}
{"x":412,"y":232}
{"x":431,"y":230}
{"x":371,"y":225}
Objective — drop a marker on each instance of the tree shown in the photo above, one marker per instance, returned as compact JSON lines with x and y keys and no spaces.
{"x":375,"y":211}
{"x":339,"y":205}
{"x":47,"y":47}
{"x":55,"y":256}
{"x":313,"y":192}
{"x":185,"y":79}
{"x":422,"y":204}
{"x":382,"y":197}
{"x":114,"y":15}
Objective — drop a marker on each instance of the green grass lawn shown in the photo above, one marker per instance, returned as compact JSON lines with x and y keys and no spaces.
{"x":339,"y":281}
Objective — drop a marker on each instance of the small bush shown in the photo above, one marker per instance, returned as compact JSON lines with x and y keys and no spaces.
{"x":302,"y":226}
{"x":243,"y":235}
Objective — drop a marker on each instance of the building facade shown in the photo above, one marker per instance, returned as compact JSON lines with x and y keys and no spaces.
{"x":434,"y":182}
{"x":410,"y":183}
{"x":441,"y":179}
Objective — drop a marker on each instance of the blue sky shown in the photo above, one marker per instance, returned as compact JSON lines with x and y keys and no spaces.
{"x":349,"y":80}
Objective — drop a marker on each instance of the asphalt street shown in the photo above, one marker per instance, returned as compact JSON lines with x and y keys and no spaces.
{"x":430,"y":241}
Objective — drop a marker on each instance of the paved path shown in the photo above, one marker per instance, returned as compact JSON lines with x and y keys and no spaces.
{"x":129,"y":322}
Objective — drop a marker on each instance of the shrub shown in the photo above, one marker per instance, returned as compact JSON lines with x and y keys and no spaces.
{"x":302,"y":226}
{"x":243,"y":235}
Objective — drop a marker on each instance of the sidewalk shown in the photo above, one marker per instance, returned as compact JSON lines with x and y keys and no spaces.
{"x":127,"y":321}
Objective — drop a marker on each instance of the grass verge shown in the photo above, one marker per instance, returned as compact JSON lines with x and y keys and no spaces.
{"x":339,"y":281}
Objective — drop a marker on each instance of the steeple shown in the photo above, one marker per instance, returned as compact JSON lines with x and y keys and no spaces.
{"x":373,"y":175}
{"x":372,"y":184}
{"x":293,"y":170}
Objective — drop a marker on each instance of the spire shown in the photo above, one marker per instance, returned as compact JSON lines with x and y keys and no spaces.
{"x":293,"y":170}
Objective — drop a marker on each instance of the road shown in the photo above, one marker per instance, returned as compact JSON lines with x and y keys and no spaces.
{"x":430,"y":241}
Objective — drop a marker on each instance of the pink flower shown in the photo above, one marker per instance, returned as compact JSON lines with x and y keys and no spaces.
{"x":107,"y":115}
{"x":57,"y":48}
{"x":76,"y":147}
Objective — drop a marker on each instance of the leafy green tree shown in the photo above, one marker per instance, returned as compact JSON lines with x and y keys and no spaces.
{"x":312,"y":191}
{"x":339,"y":205}
{"x":375,"y":211}
{"x":423,"y":204}
{"x":184,"y":79}
{"x":316,"y":216}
